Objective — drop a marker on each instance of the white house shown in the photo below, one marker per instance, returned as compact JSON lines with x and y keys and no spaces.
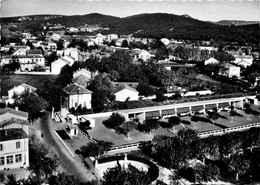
{"x":229,"y":70}
{"x":243,"y":60}
{"x":141,"y":54}
{"x":211,"y":61}
{"x":20,"y":89}
{"x":14,"y":139}
{"x":124,"y":92}
{"x":77,"y":95}
{"x":111,"y":37}
{"x":195,"y":93}
{"x":165,"y":41}
{"x":72,"y":52}
{"x":55,"y":36}
{"x":99,"y":39}
{"x":28,"y":62}
{"x":59,"y":63}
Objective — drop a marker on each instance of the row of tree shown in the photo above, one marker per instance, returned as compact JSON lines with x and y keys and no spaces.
{"x":232,"y":154}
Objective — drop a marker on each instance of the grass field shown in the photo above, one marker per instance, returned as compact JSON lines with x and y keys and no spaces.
{"x":8,"y":81}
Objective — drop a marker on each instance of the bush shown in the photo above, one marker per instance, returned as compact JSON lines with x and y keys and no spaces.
{"x":2,"y":105}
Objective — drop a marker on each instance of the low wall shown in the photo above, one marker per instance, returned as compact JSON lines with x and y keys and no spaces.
{"x":33,"y":73}
{"x":227,"y":130}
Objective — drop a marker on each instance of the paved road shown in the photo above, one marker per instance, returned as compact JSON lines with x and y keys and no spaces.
{"x":69,"y":164}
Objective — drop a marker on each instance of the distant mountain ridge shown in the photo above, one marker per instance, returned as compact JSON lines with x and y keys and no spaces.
{"x":154,"y":25}
{"x":236,"y":22}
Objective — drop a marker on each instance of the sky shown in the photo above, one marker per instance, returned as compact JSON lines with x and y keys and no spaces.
{"x":206,"y":10}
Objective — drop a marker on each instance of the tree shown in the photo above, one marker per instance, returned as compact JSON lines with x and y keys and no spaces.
{"x":161,"y":53}
{"x":102,"y":89}
{"x":230,"y":143}
{"x":65,"y":77}
{"x":126,"y":128}
{"x":168,"y":151}
{"x":125,"y":176}
{"x":240,"y":164}
{"x":148,"y":125}
{"x":209,"y":148}
{"x":145,"y":89}
{"x":95,"y":149}
{"x":11,"y":180}
{"x":173,"y":121}
{"x":160,"y":95}
{"x":125,"y":44}
{"x":13,"y":65}
{"x":251,"y":138}
{"x":32,"y":103}
{"x":64,"y":179}
{"x":60,"y":45}
{"x":42,"y":163}
{"x":51,"y":58}
{"x":2,"y":177}
{"x":213,"y":115}
{"x":115,"y":120}
{"x":189,"y":139}
{"x":52,"y":93}
{"x":247,"y":109}
{"x":232,"y":113}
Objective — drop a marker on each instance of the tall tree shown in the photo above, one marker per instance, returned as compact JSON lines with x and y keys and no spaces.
{"x":42,"y":163}
{"x":189,"y":139}
{"x":32,"y":103}
{"x":102,"y":89}
{"x":168,"y":151}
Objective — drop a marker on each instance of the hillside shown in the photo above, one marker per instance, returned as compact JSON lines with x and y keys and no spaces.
{"x":158,"y":22}
{"x":236,"y":22}
{"x":147,"y":25}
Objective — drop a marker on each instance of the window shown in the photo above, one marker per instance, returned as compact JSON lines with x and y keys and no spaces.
{"x":1,"y":147}
{"x":9,"y":159}
{"x":18,"y":158}
{"x":2,"y":161}
{"x":18,"y":145}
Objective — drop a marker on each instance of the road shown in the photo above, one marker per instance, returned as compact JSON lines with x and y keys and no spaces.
{"x":69,"y":164}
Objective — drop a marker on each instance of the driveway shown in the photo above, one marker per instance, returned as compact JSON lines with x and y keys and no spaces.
{"x":72,"y":165}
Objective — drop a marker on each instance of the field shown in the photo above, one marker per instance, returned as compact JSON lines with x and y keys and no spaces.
{"x":8,"y":81}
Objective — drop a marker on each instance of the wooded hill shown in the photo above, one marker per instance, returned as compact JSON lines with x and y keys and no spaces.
{"x":151,"y":25}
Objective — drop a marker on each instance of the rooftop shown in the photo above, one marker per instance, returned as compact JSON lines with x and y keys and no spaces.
{"x":12,"y":134}
{"x":124,"y":86}
{"x":76,"y":89}
{"x":13,"y":111}
{"x":26,"y":86}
